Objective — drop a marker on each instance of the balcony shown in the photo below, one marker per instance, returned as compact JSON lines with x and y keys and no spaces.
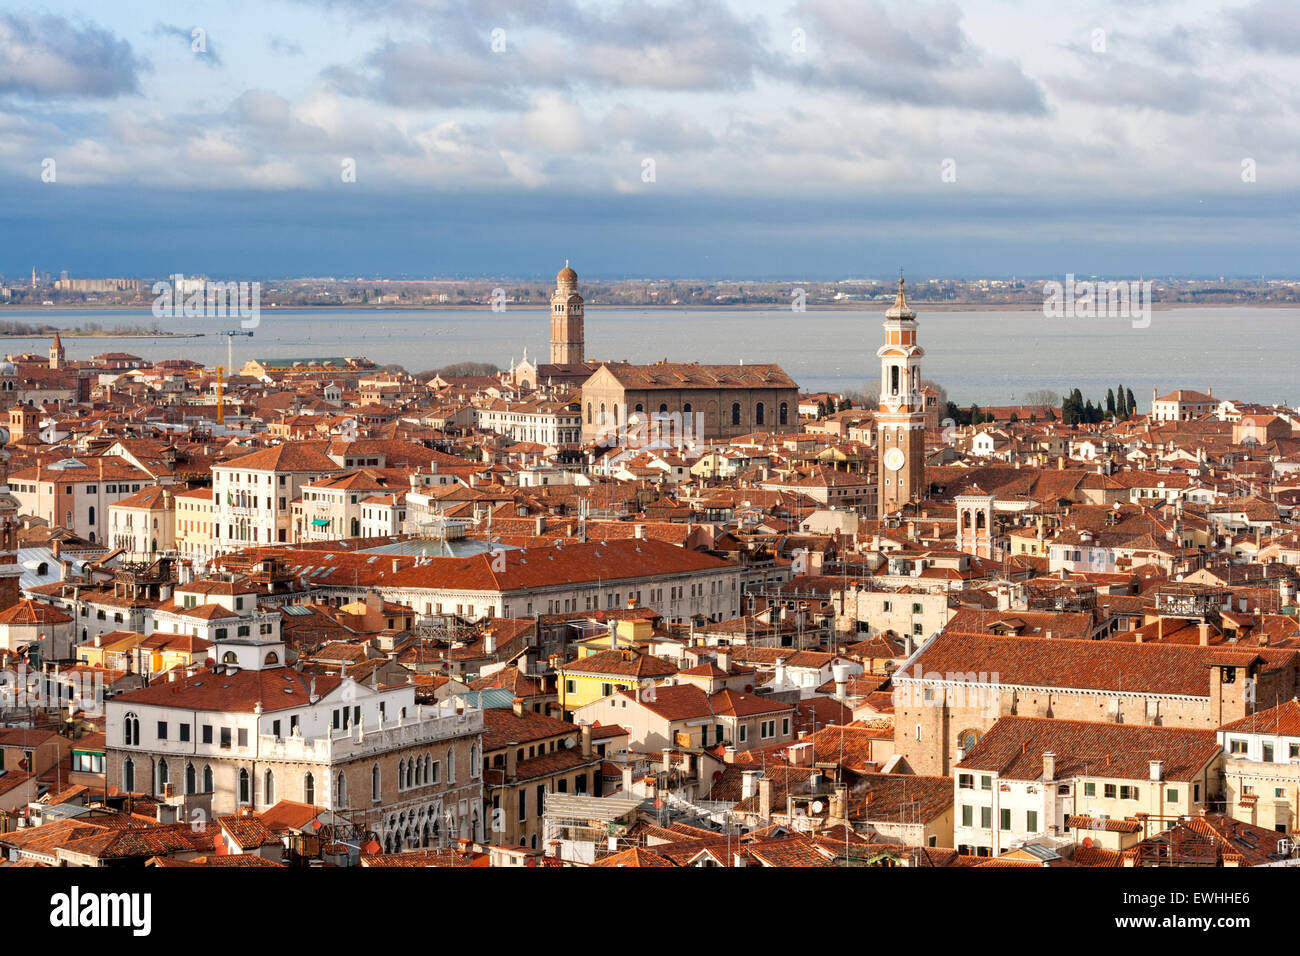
{"x":358,"y":741}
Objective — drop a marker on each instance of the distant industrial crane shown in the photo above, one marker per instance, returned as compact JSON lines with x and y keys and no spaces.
{"x":230,"y":365}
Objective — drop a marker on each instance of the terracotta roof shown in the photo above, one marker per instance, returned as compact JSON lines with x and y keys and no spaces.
{"x":1014,"y":746}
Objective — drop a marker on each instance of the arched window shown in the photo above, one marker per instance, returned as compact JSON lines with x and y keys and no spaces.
{"x":639,"y":408}
{"x":735,"y":413}
{"x":207,"y":779}
{"x":663,"y":407}
{"x":244,"y":795}
{"x":128,"y":775}
{"x":758,"y":414}
{"x":374,"y":783}
{"x":474,"y":761}
{"x":191,"y":778}
{"x":271,"y":658}
{"x":308,"y":788}
{"x":687,"y":408}
{"x":230,"y":657}
{"x":589,"y":413}
{"x":131,"y":730}
{"x":340,"y":791}
{"x":785,"y":414}
{"x":268,"y":788}
{"x":162,"y":774}
{"x":451,"y":765}
{"x":92,"y":514}
{"x":967,"y":740}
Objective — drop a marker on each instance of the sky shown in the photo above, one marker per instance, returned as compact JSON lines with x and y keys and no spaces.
{"x":801,"y":139}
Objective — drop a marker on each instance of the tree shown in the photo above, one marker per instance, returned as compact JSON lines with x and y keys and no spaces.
{"x":1042,"y":396}
{"x":1110,"y":402}
{"x":1132,"y":405}
{"x":1121,"y":404}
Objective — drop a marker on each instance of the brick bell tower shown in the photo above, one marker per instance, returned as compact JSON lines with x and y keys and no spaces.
{"x":10,"y":570}
{"x":900,"y":420}
{"x":566,"y":319}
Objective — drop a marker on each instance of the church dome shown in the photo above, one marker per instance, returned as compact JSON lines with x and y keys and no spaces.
{"x":566,"y":276}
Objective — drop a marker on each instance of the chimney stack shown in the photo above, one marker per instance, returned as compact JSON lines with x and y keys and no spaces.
{"x":765,"y":799}
{"x":1049,"y":766}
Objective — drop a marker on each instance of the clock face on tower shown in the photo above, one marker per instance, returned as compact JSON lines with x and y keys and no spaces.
{"x":894,"y":459}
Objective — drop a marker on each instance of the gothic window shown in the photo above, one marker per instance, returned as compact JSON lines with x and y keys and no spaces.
{"x":244,"y":795}
{"x":893,"y":379}
{"x":758,"y":414}
{"x":308,"y":788}
{"x":162,"y":774}
{"x":735,"y":413}
{"x":191,"y":778}
{"x":589,"y":413}
{"x":128,"y":775}
{"x":131,"y":730}
{"x":785,"y":414}
{"x":340,"y":791}
{"x":268,"y":788}
{"x":374,"y":782}
{"x":207,"y":779}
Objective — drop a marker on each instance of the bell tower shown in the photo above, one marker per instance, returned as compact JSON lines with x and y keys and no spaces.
{"x":57,"y":359}
{"x":900,"y":419}
{"x":566,"y":319}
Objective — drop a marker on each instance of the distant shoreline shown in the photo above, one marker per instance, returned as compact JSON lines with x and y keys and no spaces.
{"x":857,"y":306}
{"x":69,"y":334}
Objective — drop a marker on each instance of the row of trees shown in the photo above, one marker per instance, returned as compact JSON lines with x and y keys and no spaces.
{"x":1120,"y":405}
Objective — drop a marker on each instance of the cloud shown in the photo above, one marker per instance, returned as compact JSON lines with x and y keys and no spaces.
{"x":492,"y":55}
{"x":918,"y":55}
{"x":48,"y":57}
{"x":1270,"y":25}
{"x":283,"y":46}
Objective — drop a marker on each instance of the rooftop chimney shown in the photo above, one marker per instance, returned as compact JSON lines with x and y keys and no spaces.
{"x":1049,"y":766}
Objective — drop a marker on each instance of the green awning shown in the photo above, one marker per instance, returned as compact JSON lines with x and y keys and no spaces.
{"x":320,"y":522}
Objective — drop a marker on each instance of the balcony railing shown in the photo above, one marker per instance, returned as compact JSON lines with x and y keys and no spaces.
{"x":359,"y":741}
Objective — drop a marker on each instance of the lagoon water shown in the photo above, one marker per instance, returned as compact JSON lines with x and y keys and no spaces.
{"x":984,"y":357}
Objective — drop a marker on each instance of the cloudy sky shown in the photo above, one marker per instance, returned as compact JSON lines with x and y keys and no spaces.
{"x":746,"y":138}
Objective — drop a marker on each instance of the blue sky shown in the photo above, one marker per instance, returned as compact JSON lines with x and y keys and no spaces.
{"x":797,"y":139}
